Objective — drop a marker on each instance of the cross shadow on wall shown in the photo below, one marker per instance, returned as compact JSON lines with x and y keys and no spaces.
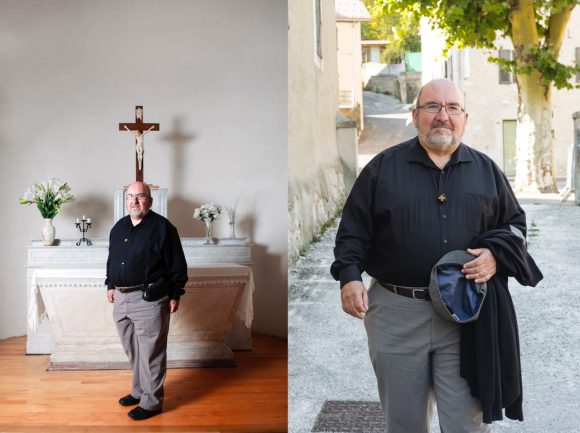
{"x":180,"y":210}
{"x":180,"y":213}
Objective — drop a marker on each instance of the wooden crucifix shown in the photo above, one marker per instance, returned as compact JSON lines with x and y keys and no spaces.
{"x":139,"y":129}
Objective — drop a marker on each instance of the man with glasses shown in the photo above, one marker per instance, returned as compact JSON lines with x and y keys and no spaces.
{"x":146,"y":273}
{"x":412,"y":204}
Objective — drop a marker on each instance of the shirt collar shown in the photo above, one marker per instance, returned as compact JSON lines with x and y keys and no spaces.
{"x":128,"y":221}
{"x":416,"y":153}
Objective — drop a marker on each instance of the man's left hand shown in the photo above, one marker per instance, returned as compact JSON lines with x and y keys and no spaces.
{"x":482,"y":268}
{"x":173,"y":305}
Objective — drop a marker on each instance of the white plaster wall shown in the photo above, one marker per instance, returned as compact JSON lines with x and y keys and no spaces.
{"x":432,"y":45}
{"x":315,"y":181}
{"x":350,"y":62}
{"x":346,"y":57}
{"x":357,"y":68}
{"x":212,"y":71}
{"x":488,"y":104}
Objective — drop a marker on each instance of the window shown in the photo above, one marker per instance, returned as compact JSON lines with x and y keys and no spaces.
{"x":449,"y":68}
{"x":318,"y":24}
{"x":366,"y":54}
{"x":466,"y":64}
{"x":509,"y":147}
{"x":505,"y":76}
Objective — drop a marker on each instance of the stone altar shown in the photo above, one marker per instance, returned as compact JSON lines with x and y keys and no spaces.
{"x":83,"y":331}
{"x":66,"y":255}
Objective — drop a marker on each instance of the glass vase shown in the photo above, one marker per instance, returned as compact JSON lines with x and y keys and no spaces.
{"x":232,"y":229}
{"x":208,"y":239}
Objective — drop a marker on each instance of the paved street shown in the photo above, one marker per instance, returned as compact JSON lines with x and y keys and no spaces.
{"x":387,"y":122}
{"x":328,"y":357}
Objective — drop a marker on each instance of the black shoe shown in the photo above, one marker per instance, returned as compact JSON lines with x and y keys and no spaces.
{"x":139,"y":414}
{"x":128,"y":400}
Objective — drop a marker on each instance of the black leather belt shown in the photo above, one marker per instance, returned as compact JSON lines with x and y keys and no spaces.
{"x":409,"y":292}
{"x":130,"y":289}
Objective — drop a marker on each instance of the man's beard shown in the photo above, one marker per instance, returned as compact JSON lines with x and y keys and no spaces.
{"x":439,"y":140}
{"x":137,"y":213}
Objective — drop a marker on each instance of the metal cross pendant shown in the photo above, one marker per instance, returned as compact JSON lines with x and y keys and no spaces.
{"x":442,"y":198}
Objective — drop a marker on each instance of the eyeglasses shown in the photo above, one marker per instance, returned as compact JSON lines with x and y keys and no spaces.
{"x":433,"y":107}
{"x":132,"y":197}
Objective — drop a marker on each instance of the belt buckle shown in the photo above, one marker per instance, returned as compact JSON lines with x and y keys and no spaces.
{"x":420,"y":291}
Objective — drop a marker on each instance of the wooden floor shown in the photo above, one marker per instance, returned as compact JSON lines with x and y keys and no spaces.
{"x":252,"y":397}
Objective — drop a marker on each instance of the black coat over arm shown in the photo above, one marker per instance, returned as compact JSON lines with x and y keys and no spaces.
{"x":490,"y":347}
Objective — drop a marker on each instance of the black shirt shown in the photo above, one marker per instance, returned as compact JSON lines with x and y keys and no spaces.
{"x":146,"y":252}
{"x":394,"y":227}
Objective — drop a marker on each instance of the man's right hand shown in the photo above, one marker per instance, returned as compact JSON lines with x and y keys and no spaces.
{"x":111,"y":295}
{"x":355,"y":300}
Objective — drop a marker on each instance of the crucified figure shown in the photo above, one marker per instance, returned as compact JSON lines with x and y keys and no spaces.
{"x":139,"y":143}
{"x":139,"y":129}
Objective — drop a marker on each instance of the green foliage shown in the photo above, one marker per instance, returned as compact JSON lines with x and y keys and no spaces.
{"x":464,"y":23}
{"x":545,"y":61}
{"x":401,"y":30}
{"x":325,"y":227}
{"x":479,"y":24}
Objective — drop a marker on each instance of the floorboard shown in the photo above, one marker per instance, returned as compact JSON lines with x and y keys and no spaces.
{"x":252,"y":397}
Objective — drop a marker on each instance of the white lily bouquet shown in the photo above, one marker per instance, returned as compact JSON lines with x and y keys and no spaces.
{"x":207,"y":213}
{"x":48,"y":196}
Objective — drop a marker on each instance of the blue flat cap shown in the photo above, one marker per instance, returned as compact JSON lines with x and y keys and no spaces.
{"x":455,"y":297}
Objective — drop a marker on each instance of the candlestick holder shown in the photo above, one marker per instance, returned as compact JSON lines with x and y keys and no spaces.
{"x":84,"y":225}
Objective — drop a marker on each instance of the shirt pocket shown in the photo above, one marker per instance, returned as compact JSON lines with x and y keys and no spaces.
{"x":152,"y":254}
{"x":481,"y":212}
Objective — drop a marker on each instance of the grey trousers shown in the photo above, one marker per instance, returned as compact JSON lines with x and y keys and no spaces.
{"x":415,"y":355}
{"x":143,"y":327}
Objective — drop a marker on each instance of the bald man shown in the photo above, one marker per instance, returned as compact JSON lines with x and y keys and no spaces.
{"x":146,"y":273}
{"x":412,"y":204}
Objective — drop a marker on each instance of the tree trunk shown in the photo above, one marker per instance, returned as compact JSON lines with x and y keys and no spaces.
{"x":534,"y":136}
{"x":534,"y":131}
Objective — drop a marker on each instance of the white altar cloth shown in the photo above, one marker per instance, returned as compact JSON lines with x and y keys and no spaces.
{"x":37,"y":310}
{"x":83,"y":329}
{"x":65,"y":254}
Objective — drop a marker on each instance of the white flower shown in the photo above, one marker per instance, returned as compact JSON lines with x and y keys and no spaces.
{"x":31,"y":194}
{"x":207,"y":212}
{"x":53,"y":184}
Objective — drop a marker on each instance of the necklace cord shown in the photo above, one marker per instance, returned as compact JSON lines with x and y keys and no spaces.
{"x":441,"y":192}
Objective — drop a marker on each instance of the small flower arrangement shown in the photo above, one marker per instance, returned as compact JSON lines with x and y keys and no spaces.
{"x":232,"y":210}
{"x":48,"y":196}
{"x":208,"y":212}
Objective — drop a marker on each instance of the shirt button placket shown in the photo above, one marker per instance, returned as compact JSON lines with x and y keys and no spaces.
{"x":443,"y":211}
